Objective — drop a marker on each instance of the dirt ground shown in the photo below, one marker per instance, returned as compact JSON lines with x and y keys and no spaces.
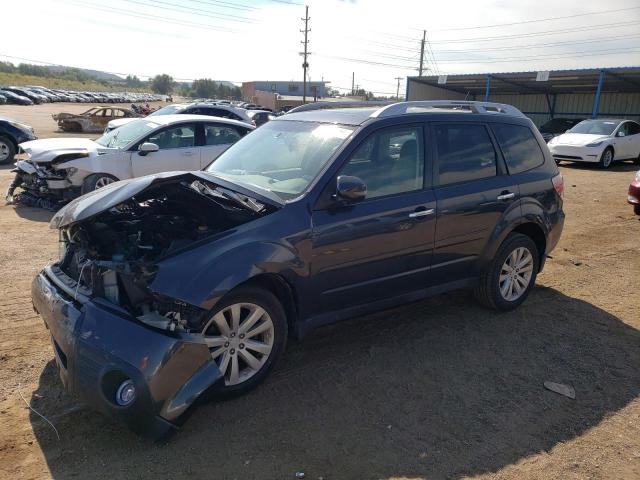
{"x":438,"y":389}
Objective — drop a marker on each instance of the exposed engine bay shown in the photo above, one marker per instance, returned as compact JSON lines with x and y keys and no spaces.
{"x":113,"y":255}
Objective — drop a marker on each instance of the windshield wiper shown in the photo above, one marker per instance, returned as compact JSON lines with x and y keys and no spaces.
{"x":221,"y":192}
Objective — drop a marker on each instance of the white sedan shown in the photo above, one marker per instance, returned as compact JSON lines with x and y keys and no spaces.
{"x":598,"y":141}
{"x":59,"y":169}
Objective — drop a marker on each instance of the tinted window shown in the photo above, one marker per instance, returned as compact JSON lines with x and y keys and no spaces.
{"x":389,"y":162}
{"x":519,"y":146}
{"x":633,"y":128}
{"x":220,"y":135}
{"x":181,"y":136}
{"x":465,"y":153}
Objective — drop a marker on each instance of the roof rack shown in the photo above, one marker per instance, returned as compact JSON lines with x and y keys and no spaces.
{"x":403,"y":108}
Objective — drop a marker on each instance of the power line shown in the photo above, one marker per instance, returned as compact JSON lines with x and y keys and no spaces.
{"x":477,"y":27}
{"x":367,"y":62}
{"x":219,"y":3}
{"x":192,"y":10}
{"x":591,"y":53}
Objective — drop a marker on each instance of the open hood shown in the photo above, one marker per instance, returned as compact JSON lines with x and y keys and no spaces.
{"x":47,"y":149}
{"x":105,"y":198}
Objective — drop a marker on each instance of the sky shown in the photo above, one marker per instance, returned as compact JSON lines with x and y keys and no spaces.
{"x":377,"y":40}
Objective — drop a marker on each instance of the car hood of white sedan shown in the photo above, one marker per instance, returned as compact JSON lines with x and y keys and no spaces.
{"x":45,"y":150}
{"x":578,"y":139}
{"x":118,"y":122}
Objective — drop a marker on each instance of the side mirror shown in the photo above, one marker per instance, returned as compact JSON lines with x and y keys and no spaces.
{"x":147,"y":148}
{"x":349,"y":188}
{"x":620,"y":134}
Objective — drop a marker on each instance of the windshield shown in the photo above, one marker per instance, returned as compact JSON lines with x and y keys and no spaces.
{"x":127,"y":133}
{"x":168,"y":110}
{"x":595,"y":127}
{"x":283,"y":156}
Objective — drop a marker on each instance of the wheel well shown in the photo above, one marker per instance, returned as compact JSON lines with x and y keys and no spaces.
{"x":282,"y":290}
{"x":11,"y":139}
{"x":535,"y":233}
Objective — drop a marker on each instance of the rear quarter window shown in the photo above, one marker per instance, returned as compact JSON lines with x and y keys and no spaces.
{"x":520,"y":148}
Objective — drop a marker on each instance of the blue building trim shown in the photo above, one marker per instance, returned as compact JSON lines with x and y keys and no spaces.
{"x":596,"y":101}
{"x":487,"y":91}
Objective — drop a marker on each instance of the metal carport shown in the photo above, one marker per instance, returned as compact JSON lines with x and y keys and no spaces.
{"x":604,"y":92}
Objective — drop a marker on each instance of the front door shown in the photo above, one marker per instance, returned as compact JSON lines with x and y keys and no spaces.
{"x":381,"y":246}
{"x":177,"y":151}
{"x":473,"y":194}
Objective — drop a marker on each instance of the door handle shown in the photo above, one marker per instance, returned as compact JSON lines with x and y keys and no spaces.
{"x":187,"y":154}
{"x":422,"y":213}
{"x":506,"y":196}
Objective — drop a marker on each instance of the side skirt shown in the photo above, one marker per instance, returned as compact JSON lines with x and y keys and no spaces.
{"x":305,"y":326}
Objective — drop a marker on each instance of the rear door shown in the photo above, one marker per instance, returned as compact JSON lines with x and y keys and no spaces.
{"x":217,"y":137}
{"x":473,"y":192}
{"x":178,"y":151}
{"x":381,"y":246}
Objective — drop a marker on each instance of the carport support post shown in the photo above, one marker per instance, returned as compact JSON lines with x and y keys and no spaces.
{"x":487,"y":90}
{"x":596,"y":101}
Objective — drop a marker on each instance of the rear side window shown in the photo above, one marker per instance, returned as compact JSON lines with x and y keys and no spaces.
{"x":465,"y":153}
{"x":519,"y":147}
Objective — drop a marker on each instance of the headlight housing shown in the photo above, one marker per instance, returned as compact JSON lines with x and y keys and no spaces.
{"x":595,"y":144}
{"x":22,"y":126}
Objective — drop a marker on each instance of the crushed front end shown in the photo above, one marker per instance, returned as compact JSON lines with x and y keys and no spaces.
{"x":123,"y":348}
{"x":41,"y":185}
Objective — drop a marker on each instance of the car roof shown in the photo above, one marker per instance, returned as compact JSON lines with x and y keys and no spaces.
{"x":187,"y":117}
{"x":344,"y":116}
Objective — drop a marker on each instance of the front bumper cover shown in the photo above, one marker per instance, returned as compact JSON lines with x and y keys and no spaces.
{"x":98,"y":345}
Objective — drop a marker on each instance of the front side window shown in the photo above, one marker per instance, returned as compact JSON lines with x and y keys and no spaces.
{"x":465,"y":153}
{"x":389,"y":162}
{"x":519,"y":146}
{"x":220,"y":135}
{"x":633,"y":128}
{"x":180,"y":136}
{"x":282,"y":156}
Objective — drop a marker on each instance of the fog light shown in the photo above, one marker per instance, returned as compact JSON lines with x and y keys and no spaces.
{"x":126,"y":393}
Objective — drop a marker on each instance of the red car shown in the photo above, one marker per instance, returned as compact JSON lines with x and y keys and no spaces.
{"x":634,"y":194}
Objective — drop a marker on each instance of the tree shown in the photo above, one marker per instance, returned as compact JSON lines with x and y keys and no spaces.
{"x":133,"y":81}
{"x":162,"y":84}
{"x":205,"y":88}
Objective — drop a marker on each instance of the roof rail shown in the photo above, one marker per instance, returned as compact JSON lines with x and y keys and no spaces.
{"x":421,"y":106}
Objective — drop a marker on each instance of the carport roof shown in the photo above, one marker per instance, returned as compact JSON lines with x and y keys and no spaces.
{"x":618,"y":79}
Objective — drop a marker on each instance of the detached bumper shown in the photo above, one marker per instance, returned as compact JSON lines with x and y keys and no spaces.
{"x":98,"y":346}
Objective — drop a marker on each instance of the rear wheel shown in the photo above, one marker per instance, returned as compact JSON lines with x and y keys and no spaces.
{"x":606,"y":159}
{"x":95,"y":181}
{"x":246,"y":335}
{"x":511,"y":275}
{"x":7,"y":150}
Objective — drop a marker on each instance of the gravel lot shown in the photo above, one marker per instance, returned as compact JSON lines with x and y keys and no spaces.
{"x":438,"y":389}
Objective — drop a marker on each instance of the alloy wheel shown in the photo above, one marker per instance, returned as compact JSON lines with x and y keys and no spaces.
{"x":515,"y":274}
{"x":103,"y":182}
{"x":240,"y":338}
{"x":4,"y":151}
{"x":606,"y":158}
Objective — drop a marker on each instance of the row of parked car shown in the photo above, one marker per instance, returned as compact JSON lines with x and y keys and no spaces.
{"x":29,"y":95}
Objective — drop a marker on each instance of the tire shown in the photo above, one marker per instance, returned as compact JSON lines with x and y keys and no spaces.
{"x":637,"y":160}
{"x":636,"y":209}
{"x":7,"y":150}
{"x":95,"y":181}
{"x":225,"y":354}
{"x":488,"y":291}
{"x":606,"y":159}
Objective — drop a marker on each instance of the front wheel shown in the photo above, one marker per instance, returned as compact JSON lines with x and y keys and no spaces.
{"x":7,"y":150}
{"x":511,"y":275}
{"x":246,"y":335}
{"x":606,"y":159}
{"x":96,"y":181}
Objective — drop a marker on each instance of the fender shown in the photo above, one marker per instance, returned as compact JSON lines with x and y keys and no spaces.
{"x":231,"y":267}
{"x":26,"y":167}
{"x":527,"y":210}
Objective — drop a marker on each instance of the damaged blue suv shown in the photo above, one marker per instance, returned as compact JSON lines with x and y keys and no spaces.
{"x":173,"y":285}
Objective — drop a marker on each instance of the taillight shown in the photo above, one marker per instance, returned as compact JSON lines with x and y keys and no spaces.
{"x":558,"y":184}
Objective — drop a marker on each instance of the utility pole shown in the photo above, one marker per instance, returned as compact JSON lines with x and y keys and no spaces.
{"x":353,"y":83}
{"x":305,"y":64}
{"x":424,"y":36}
{"x":398,"y":88}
